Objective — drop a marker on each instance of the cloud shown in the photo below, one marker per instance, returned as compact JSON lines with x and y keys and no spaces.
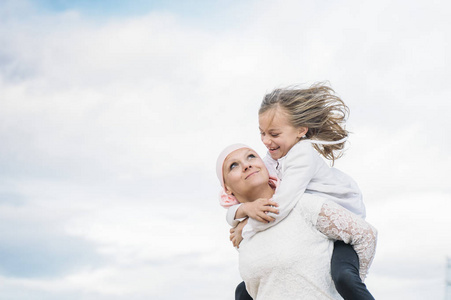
{"x":110,"y":128}
{"x":34,"y":246}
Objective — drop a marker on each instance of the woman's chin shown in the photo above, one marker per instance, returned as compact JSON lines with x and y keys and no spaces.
{"x":257,"y":179}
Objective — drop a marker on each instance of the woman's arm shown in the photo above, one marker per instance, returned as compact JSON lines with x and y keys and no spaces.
{"x":338,"y":223}
{"x":236,"y":233}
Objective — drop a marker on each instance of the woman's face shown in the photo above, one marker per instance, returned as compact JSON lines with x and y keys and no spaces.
{"x":243,"y":170}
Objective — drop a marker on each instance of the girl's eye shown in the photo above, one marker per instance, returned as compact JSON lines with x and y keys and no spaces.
{"x":233,"y":165}
{"x":275,"y":134}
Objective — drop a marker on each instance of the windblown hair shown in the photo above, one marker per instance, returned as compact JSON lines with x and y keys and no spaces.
{"x":318,"y":109}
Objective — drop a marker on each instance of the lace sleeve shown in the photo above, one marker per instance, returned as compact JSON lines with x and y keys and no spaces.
{"x":340,"y":224}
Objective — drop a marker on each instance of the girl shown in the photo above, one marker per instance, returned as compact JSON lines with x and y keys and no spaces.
{"x":293,"y":124}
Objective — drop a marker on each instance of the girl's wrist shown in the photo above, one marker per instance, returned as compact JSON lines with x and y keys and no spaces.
{"x":242,"y":211}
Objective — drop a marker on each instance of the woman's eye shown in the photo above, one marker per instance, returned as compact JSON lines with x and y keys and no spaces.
{"x":233,"y":165}
{"x":251,"y":156}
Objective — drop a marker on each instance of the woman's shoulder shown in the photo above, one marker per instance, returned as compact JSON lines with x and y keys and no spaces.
{"x":309,"y":206}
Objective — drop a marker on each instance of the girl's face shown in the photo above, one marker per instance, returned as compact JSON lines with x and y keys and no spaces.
{"x":243,"y":171}
{"x":277,"y":133}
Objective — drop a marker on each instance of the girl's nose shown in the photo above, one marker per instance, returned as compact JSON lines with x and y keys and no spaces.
{"x":266,"y":140}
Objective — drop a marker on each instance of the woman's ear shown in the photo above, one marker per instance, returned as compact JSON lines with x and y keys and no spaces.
{"x":227,"y":190}
{"x":302,"y":131}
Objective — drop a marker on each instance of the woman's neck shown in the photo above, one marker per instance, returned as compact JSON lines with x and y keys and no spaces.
{"x":265,"y":191}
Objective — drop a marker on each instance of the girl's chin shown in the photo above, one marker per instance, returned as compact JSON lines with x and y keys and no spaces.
{"x":275,"y":155}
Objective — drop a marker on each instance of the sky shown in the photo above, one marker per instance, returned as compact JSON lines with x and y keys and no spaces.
{"x":112,"y":114}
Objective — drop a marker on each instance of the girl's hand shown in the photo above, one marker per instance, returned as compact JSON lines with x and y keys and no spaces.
{"x":259,"y":209}
{"x":235,"y":233}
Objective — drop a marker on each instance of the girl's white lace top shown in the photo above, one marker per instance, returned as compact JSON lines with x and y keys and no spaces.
{"x":291,"y":260}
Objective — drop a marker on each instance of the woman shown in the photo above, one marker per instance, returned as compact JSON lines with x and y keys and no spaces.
{"x":291,"y":260}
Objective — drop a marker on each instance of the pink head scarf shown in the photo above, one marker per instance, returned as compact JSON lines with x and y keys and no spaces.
{"x":222,"y":156}
{"x":227,"y":200}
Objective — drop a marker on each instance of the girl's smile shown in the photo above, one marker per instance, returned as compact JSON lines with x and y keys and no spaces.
{"x":277,"y":133}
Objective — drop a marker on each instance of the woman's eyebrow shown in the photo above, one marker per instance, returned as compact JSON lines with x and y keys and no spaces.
{"x":229,"y":161}
{"x":227,"y":165}
{"x":251,"y":152}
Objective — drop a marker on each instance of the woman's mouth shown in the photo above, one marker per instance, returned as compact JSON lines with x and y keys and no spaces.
{"x":251,"y":174}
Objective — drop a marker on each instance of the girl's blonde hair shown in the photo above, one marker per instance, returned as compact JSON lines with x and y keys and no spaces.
{"x":318,"y":109}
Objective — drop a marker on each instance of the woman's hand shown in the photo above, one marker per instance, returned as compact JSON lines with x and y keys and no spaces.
{"x":259,"y":209}
{"x":235,"y":233}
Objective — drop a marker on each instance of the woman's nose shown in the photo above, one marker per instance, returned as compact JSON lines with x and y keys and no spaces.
{"x":247,"y":166}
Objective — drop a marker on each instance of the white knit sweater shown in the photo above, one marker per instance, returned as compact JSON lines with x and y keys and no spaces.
{"x":291,"y":260}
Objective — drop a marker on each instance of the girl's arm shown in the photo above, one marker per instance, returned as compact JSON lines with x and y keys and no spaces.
{"x":256,"y":210}
{"x":338,"y":223}
{"x":231,"y":215}
{"x":299,"y":167}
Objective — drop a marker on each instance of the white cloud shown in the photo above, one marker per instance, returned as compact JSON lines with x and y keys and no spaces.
{"x":110,"y":132}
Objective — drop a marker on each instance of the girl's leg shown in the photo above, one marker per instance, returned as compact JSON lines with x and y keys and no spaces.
{"x":345,"y":273}
{"x":241,"y":293}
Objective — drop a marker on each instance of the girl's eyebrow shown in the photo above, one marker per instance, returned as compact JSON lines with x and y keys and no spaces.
{"x":270,"y":130}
